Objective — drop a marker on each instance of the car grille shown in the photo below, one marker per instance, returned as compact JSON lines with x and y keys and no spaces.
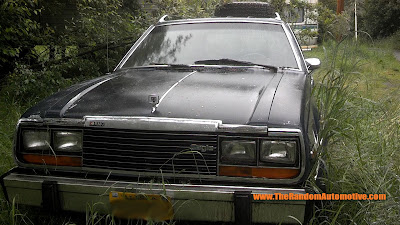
{"x":145,"y":151}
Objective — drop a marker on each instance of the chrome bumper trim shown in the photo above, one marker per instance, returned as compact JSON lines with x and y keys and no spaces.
{"x":191,"y":202}
{"x":139,"y":186}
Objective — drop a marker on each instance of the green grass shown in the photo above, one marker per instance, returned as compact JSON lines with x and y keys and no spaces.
{"x":358,"y":90}
{"x":9,"y":115}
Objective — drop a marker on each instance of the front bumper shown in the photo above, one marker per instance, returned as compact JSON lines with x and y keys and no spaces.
{"x":190,"y":202}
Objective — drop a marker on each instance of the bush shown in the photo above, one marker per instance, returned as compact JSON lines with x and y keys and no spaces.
{"x":25,"y":85}
{"x":35,"y":64}
{"x":381,"y":17}
{"x":396,"y":40}
{"x":185,"y":8}
{"x":19,"y":32}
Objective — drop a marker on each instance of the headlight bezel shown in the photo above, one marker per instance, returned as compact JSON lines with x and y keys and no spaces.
{"x":259,"y":141}
{"x":72,"y":133}
{"x":50,"y":156}
{"x":237,"y":160}
{"x":280,"y":161}
{"x":31,"y":133}
{"x":52,"y":149}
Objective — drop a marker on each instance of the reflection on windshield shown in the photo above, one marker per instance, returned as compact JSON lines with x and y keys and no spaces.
{"x":187,"y":43}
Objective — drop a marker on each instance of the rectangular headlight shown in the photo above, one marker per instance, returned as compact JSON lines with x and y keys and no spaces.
{"x":70,"y":141}
{"x":36,"y":140}
{"x":278,"y":152}
{"x":238,"y":151}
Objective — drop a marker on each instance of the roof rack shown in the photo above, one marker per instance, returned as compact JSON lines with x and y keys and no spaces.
{"x":163,"y":19}
{"x":278,"y":17}
{"x":241,"y":9}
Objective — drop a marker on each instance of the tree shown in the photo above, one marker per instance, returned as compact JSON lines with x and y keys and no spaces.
{"x":381,"y":17}
{"x":19,"y":33}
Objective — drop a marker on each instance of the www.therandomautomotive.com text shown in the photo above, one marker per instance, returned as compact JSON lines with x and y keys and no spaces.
{"x":323,"y":196}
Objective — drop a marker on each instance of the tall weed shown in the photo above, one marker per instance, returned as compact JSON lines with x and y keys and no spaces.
{"x":362,"y":131}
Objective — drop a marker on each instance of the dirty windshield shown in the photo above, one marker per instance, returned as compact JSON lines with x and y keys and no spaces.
{"x":189,"y":44}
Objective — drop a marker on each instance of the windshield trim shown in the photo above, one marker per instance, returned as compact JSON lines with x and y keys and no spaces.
{"x":292,"y":42}
{"x":134,"y":47}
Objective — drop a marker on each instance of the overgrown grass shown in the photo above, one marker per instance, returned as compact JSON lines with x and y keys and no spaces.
{"x":9,"y":115}
{"x":358,"y":93}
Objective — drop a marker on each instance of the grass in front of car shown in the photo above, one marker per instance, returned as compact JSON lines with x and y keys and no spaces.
{"x":9,"y":115}
{"x":358,"y":88}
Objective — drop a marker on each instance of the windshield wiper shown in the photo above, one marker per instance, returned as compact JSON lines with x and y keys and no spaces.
{"x":175,"y":66}
{"x":233,"y":62}
{"x":160,"y":65}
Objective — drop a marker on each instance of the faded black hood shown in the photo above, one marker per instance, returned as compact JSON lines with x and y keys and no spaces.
{"x":230,"y":96}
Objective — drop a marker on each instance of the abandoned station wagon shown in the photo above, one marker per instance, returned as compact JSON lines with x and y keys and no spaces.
{"x":197,"y":117}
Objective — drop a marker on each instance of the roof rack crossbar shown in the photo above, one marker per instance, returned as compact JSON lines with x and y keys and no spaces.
{"x":163,"y":19}
{"x":278,"y":17}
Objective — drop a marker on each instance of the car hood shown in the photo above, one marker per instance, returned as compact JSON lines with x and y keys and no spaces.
{"x":233,"y":96}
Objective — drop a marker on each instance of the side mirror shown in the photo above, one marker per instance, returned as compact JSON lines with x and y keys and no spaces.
{"x":313,"y":63}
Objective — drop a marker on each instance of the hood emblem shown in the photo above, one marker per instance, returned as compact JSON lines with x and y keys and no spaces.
{"x":154,"y":100}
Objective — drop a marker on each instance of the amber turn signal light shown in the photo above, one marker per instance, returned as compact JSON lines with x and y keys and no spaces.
{"x":272,"y":173}
{"x":52,"y":160}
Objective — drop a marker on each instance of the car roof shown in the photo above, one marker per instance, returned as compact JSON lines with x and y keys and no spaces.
{"x":164,"y":21}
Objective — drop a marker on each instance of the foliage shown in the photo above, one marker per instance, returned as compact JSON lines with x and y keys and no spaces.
{"x":395,"y":40}
{"x":355,"y":90}
{"x":326,"y":18}
{"x":381,"y":17}
{"x":90,"y":44}
{"x":329,"y":4}
{"x":294,"y":12}
{"x":27,"y":85}
{"x":185,"y":8}
{"x":104,"y":30}
{"x":377,"y":18}
{"x":19,"y":32}
{"x":290,"y":12}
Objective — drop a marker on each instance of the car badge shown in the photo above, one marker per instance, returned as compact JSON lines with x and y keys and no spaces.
{"x":96,"y":124}
{"x":154,"y":100}
{"x":202,"y":148}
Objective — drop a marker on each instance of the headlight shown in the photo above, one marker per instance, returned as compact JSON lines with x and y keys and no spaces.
{"x":67,"y":141}
{"x":36,"y":140}
{"x":278,"y":152}
{"x":238,"y":151}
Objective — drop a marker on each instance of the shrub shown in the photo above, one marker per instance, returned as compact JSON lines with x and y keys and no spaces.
{"x":381,"y":17}
{"x":18,"y":33}
{"x":25,"y":85}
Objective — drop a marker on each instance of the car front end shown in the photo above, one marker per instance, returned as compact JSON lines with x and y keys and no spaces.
{"x":192,"y":166}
